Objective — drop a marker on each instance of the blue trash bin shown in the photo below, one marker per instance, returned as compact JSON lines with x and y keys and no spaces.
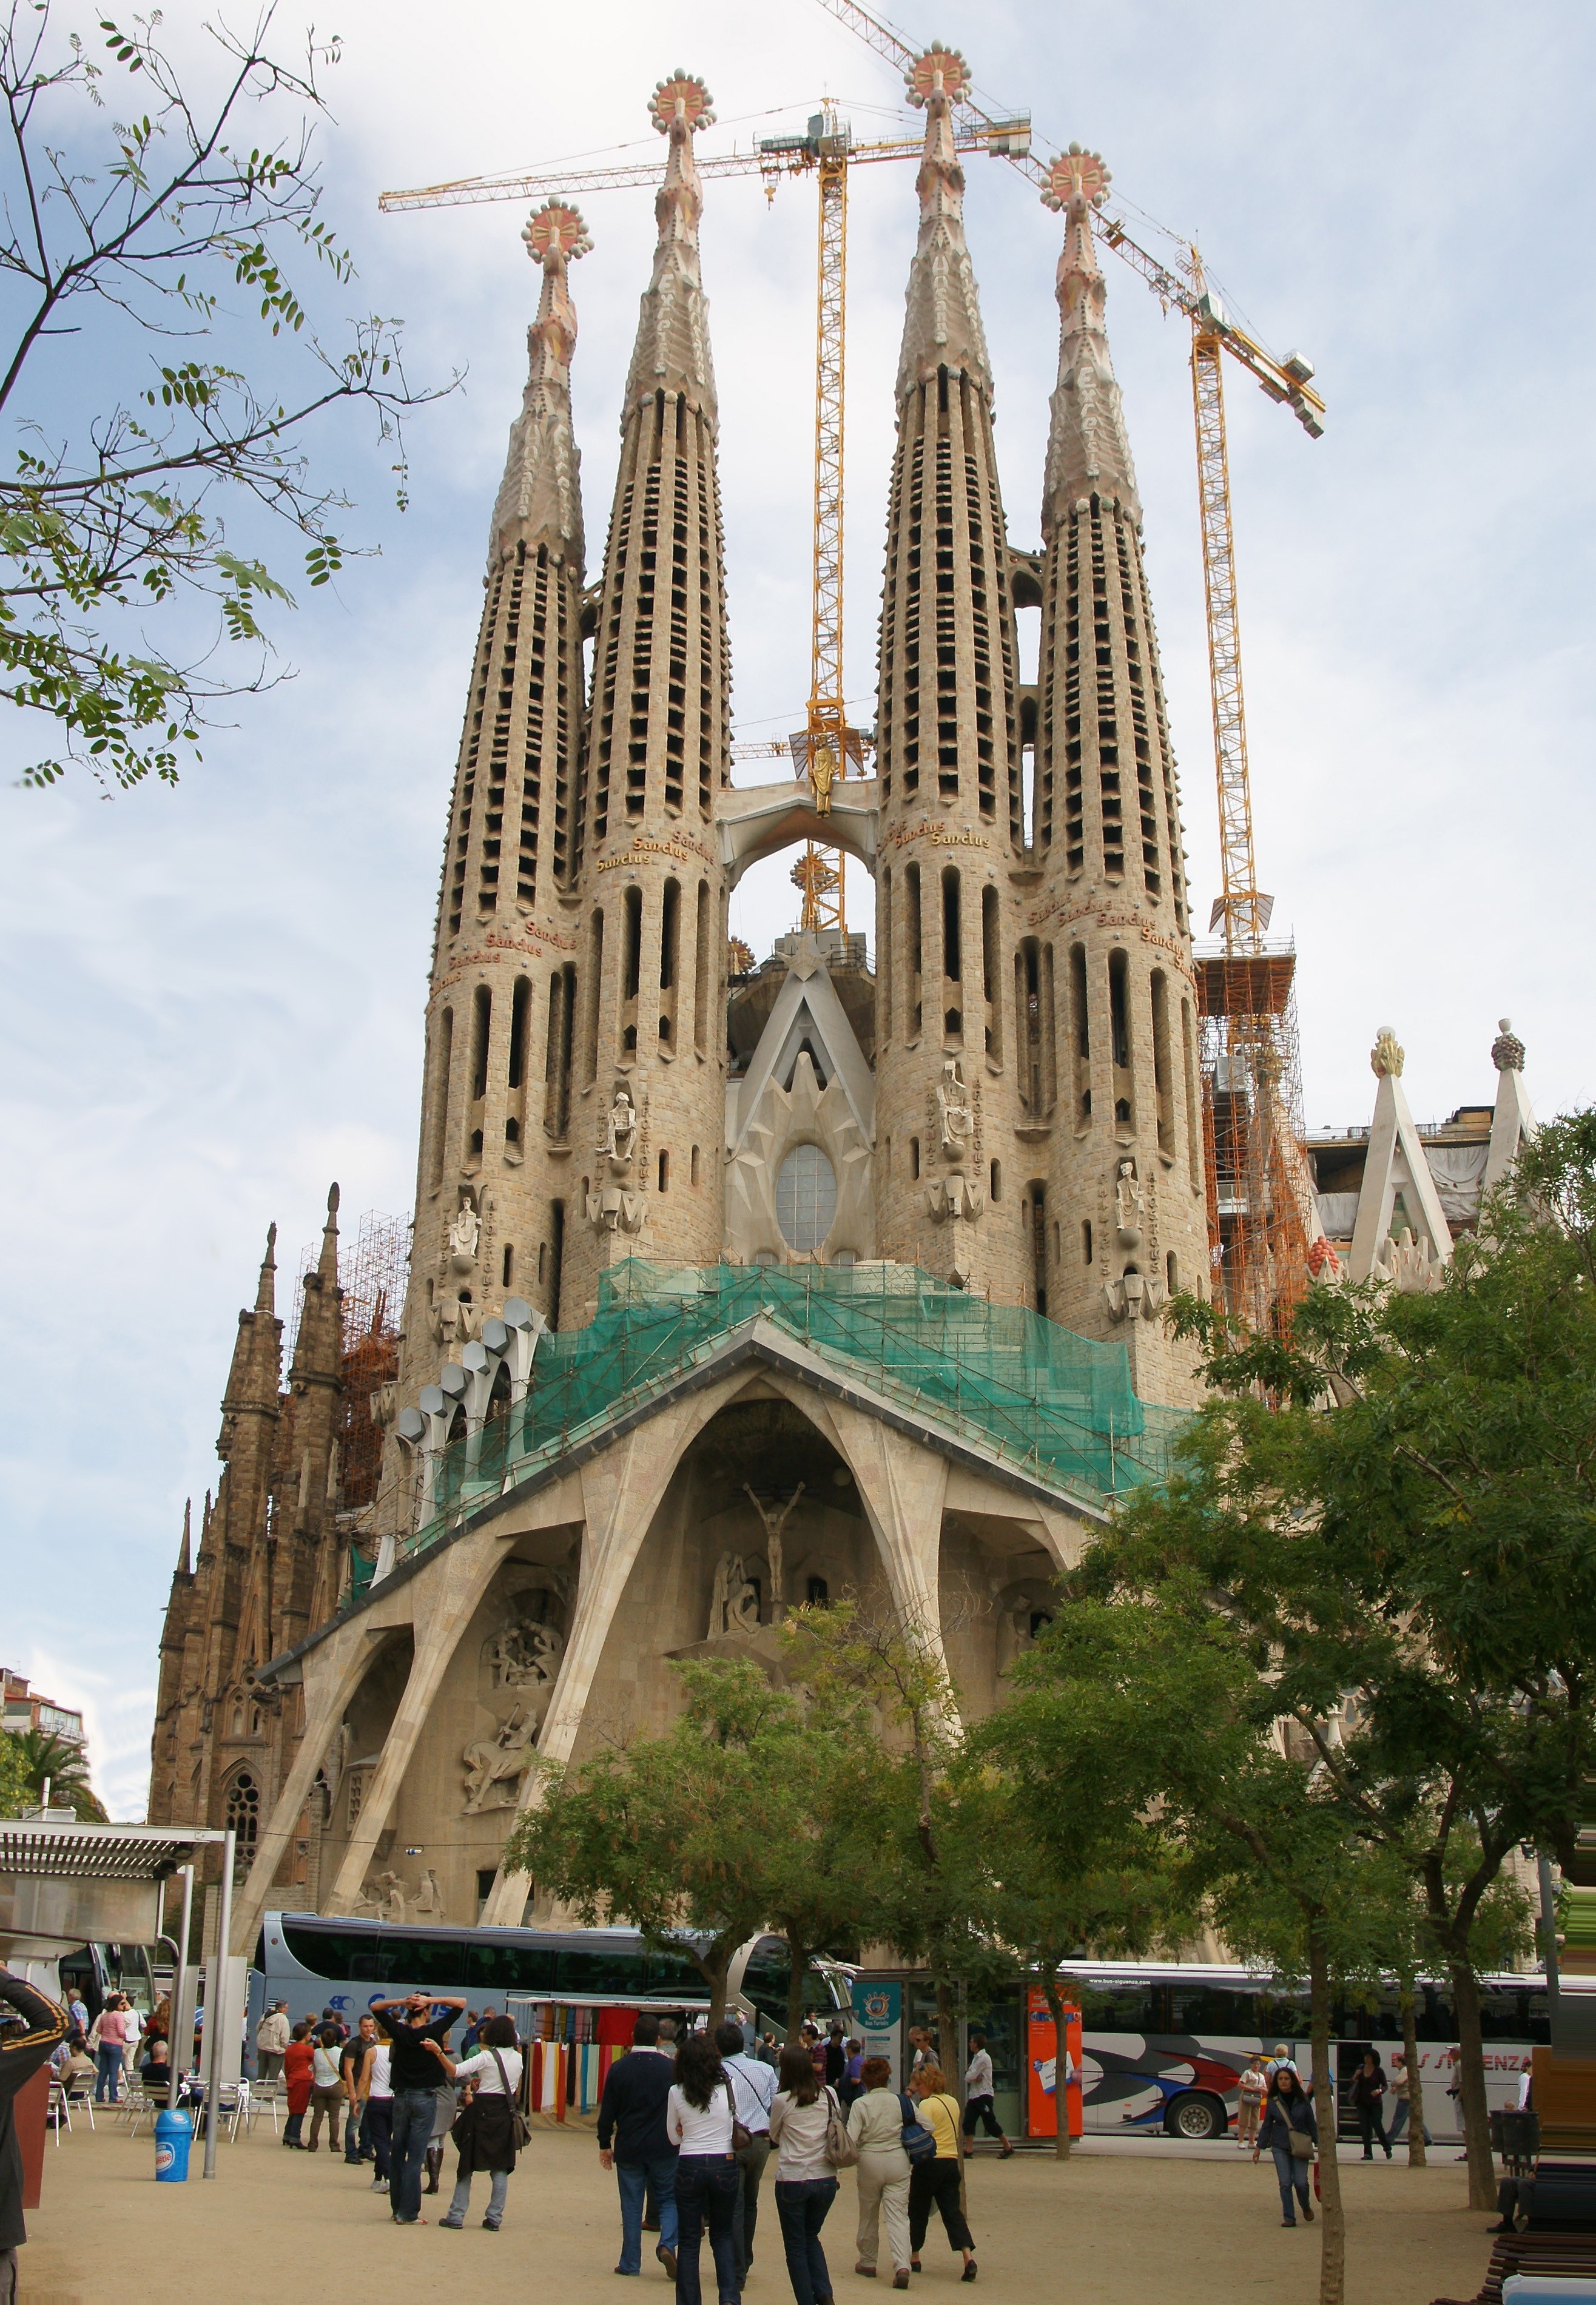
{"x":173,"y":2135}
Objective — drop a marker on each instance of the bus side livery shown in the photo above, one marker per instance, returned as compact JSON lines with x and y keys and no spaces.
{"x":1162,"y":2043}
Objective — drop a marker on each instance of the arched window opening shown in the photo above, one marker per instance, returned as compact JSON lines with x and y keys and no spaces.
{"x":242,"y":1818}
{"x":664,"y":1172}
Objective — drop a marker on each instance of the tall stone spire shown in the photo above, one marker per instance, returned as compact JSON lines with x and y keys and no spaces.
{"x":1088,"y":451}
{"x":953,"y":982}
{"x":266,"y":1292}
{"x":1120,"y":1220}
{"x":652,"y":958}
{"x":492,"y":1184}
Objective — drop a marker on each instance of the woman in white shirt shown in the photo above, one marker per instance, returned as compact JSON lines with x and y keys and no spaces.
{"x":326,"y":2087}
{"x":487,"y":2127}
{"x":377,"y":2093}
{"x":697,"y":2121}
{"x":806,"y":2180}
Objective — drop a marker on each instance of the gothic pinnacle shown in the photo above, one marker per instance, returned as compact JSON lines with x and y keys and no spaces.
{"x":185,"y":1567}
{"x":265,"y":1293}
{"x":539,"y":500}
{"x":672,"y":351}
{"x":942,"y":326}
{"x":1089,"y":452}
{"x":327,"y":1267}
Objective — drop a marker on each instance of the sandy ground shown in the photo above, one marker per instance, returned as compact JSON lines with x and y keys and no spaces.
{"x":1122,"y":2220}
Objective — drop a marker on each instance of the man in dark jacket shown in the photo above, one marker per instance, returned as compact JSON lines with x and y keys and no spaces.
{"x":633,"y":2142}
{"x":23,"y":2049}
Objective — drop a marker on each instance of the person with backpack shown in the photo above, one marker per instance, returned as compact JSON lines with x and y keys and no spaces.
{"x":935,"y":2181}
{"x":876,"y":2119}
{"x":701,"y":2122}
{"x":490,"y":2128}
{"x":800,"y":2117}
{"x":1290,"y":2132}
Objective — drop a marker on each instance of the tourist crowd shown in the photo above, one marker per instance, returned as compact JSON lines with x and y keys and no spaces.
{"x":689,"y":2123}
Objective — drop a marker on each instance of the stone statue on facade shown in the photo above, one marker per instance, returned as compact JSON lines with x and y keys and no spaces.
{"x":735,"y":1599}
{"x":1127,"y":1205}
{"x":955,"y":1120}
{"x":774,"y":1523}
{"x":620,"y":1129}
{"x":494,"y":1766}
{"x":822,"y":776}
{"x":466,"y":1231}
{"x":428,"y":1904}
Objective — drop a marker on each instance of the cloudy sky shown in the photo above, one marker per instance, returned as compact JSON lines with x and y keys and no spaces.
{"x":215,"y":995}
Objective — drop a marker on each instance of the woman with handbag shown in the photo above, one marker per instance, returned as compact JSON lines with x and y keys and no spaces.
{"x":700,"y":2121}
{"x":876,"y":2125}
{"x":807,"y":2133}
{"x":1291,"y":2132}
{"x":490,"y":2127}
{"x":935,"y":2182}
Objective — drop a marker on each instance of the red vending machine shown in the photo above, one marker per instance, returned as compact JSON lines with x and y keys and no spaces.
{"x":1041,"y":2068}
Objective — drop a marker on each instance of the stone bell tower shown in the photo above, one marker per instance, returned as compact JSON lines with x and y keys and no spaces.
{"x":950,"y":1076}
{"x":493,"y":1188}
{"x":648,"y":1100}
{"x":1121,"y":1222}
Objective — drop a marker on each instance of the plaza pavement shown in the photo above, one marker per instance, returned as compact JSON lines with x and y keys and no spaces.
{"x":1125,"y":2220}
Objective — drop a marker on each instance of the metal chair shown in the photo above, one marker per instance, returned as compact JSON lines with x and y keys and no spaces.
{"x":59,"y":2115}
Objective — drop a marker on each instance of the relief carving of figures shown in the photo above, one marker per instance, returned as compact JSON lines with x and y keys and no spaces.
{"x":383,"y":1894}
{"x":494,"y":1766}
{"x":525,"y":1655}
{"x":774,"y":1523}
{"x":955,"y":1120}
{"x":620,"y":1129}
{"x":428,"y":1903}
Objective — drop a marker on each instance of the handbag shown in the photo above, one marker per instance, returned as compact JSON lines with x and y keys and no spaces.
{"x":521,"y":2128}
{"x":919,"y":2142}
{"x":742,"y":2137}
{"x":1300,"y":2142}
{"x":841,"y":2152}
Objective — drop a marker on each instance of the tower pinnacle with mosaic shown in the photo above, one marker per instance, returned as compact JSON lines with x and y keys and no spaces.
{"x":1124,"y":1213}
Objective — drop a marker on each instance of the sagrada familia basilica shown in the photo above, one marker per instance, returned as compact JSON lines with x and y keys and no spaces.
{"x":732,"y":1290}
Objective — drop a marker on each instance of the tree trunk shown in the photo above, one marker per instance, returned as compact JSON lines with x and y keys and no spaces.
{"x":947,"y":2039}
{"x":714,"y":1967}
{"x":1332,"y":2239}
{"x":1471,"y":2086}
{"x":1061,"y":2100}
{"x":1415,"y":2086}
{"x":797,"y":1978}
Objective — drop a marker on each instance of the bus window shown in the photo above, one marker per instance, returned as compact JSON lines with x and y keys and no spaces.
{"x":1215,"y":2009}
{"x":1135,"y":2006}
{"x":512,"y":1968}
{"x":619,"y":1971}
{"x":1509,"y":2012}
{"x":673,"y":1972}
{"x":767,"y":1979}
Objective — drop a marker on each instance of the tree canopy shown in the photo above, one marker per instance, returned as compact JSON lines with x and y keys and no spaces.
{"x":169,"y":362}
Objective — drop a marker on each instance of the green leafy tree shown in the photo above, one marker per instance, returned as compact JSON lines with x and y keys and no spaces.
{"x":916,"y":1819}
{"x":1410,"y":1526}
{"x":697,"y":1837}
{"x":13,"y":1777}
{"x":1152,"y":1704}
{"x":163,"y":373}
{"x":44,"y":1759}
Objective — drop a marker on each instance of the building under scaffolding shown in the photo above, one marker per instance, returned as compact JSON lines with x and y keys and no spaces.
{"x":1261,"y":1217}
{"x":373,"y":1280}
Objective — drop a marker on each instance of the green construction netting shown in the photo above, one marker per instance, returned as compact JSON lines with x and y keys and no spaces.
{"x":1004,"y":1380}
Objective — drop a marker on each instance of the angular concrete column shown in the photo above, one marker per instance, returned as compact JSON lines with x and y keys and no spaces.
{"x":621,"y":1491}
{"x":333,"y":1671}
{"x":447,"y":1592}
{"x":903,"y":1485}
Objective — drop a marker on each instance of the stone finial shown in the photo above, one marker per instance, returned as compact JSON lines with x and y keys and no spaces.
{"x":1089,"y":451}
{"x":1386,"y":1057}
{"x":672,"y":350}
{"x":1506,"y":1051}
{"x":942,"y":326}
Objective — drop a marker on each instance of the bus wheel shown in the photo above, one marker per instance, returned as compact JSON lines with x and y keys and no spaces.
{"x":1195,"y":2116}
